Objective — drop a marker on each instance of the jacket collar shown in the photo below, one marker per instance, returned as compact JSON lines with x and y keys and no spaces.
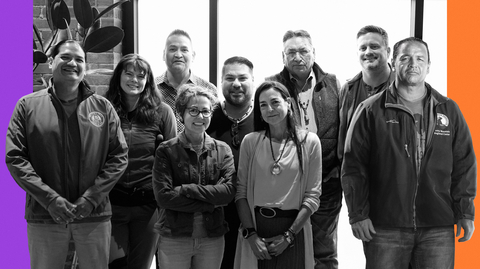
{"x":319,"y":74}
{"x":392,"y":97}
{"x":83,"y":87}
{"x":208,"y":141}
{"x":359,"y":76}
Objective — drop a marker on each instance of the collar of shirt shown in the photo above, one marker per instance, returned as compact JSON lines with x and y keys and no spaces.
{"x":164,"y":79}
{"x":309,"y":84}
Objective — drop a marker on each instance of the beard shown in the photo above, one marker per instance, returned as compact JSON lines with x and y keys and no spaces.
{"x":237,"y":101}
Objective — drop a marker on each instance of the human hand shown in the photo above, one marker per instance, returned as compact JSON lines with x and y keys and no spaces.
{"x":61,"y":210}
{"x":83,"y":209}
{"x":258,"y":247}
{"x":276,"y":245}
{"x":363,"y":230}
{"x":468,"y":228}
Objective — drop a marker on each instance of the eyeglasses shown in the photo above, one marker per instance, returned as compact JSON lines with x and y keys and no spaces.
{"x":293,"y":53}
{"x":234,"y":134}
{"x":194,"y":112}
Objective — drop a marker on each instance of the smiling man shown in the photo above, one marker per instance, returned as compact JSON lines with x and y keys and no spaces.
{"x":178,"y":56}
{"x":409,"y":170}
{"x":66,"y":149}
{"x":376,"y":75}
{"x":230,"y":123}
{"x":315,"y":104}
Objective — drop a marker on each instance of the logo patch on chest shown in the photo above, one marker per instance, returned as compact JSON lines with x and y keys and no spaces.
{"x":96,"y":118}
{"x":442,"y":124}
{"x":442,"y":121}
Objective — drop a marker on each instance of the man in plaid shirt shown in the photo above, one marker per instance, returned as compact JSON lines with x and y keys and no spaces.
{"x":178,"y":55}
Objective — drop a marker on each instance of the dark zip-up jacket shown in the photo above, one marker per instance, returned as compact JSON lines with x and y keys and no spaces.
{"x":38,"y":160}
{"x":379,"y":172}
{"x":142,"y":140}
{"x":325,"y":105}
{"x":185,"y":183}
{"x":135,"y":186}
{"x":351,"y":95}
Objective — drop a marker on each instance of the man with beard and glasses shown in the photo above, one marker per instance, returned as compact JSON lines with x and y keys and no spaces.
{"x":315,"y":105}
{"x":376,"y":75}
{"x":178,"y":56}
{"x":230,"y":123}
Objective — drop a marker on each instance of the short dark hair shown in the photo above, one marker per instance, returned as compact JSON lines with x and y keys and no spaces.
{"x":237,"y":60}
{"x":187,"y":92}
{"x":374,"y":29}
{"x":412,"y":39}
{"x":181,"y":33}
{"x":297,"y":33}
{"x":56,"y":48}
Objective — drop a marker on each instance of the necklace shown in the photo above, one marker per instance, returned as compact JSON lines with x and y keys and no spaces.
{"x":276,"y":168}
{"x":237,"y":120}
{"x":303,"y":103}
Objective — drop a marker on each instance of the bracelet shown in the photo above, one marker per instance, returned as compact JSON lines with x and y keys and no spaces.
{"x":250,"y":234}
{"x":293,"y":234}
{"x":289,"y":237}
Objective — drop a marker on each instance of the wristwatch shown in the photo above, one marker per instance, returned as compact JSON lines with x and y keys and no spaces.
{"x":247,"y":232}
{"x":289,"y":237}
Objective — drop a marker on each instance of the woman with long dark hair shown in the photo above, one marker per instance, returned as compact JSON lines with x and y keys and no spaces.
{"x":146,"y":121}
{"x":279,"y":185}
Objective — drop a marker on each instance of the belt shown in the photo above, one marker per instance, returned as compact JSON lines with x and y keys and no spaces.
{"x":272,"y":212}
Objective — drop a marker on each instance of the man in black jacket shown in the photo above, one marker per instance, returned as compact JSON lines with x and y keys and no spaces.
{"x":409,"y":170}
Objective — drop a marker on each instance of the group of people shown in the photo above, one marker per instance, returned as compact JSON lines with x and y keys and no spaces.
{"x":161,"y":167}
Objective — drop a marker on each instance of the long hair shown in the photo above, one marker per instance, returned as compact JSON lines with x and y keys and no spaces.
{"x":292,"y":126}
{"x":150,"y":98}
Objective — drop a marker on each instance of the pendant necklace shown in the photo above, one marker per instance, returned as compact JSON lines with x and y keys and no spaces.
{"x":276,"y":168}
{"x":304,"y":106}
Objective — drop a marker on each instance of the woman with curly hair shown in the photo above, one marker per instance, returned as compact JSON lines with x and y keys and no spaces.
{"x":193,"y":178}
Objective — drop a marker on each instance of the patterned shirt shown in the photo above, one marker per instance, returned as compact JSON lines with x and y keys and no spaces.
{"x":170,"y":93}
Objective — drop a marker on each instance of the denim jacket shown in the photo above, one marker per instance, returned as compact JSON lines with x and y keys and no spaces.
{"x":185,"y":183}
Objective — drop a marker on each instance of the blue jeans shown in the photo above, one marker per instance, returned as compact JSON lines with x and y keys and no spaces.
{"x":186,"y":253}
{"x":325,"y":224}
{"x":48,"y":244}
{"x":424,"y":248}
{"x":134,"y":242}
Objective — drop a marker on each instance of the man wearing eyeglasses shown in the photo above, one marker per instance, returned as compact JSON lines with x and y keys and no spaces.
{"x":315,"y":104}
{"x":230,"y":123}
{"x":178,"y":56}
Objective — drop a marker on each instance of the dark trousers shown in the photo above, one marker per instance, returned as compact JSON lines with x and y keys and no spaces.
{"x":231,"y":217}
{"x":292,"y":257}
{"x":325,"y":223}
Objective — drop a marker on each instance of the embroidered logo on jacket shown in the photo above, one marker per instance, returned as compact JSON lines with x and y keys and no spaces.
{"x":442,"y":124}
{"x":442,"y":121}
{"x":96,"y":118}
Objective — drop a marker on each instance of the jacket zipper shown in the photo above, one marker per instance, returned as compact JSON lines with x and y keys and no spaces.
{"x":401,"y":107}
{"x":65,"y":142}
